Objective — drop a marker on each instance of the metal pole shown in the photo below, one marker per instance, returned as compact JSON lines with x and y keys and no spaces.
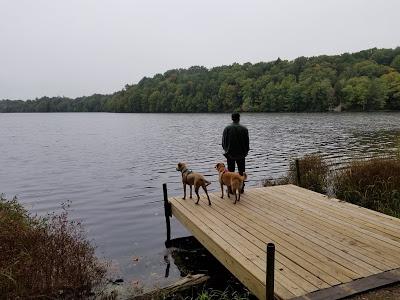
{"x":167,"y":212}
{"x":298,"y":172}
{"x":270,"y":280}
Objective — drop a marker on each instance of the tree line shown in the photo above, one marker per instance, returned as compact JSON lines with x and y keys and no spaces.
{"x":363,"y":81}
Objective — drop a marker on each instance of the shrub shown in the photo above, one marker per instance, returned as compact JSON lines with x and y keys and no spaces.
{"x":44,"y":257}
{"x":313,"y":174}
{"x":373,"y":184}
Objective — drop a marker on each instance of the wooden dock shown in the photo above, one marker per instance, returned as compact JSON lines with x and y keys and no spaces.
{"x":325,"y":248}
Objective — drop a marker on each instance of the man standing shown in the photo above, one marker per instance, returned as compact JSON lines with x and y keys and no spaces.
{"x":235,"y":142}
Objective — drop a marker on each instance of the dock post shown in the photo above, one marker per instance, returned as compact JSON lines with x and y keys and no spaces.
{"x":298,"y":172}
{"x":270,"y":272}
{"x":168,"y":214}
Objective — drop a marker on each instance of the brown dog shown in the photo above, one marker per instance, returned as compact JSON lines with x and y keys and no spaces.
{"x":232,"y":180}
{"x":192,"y":178}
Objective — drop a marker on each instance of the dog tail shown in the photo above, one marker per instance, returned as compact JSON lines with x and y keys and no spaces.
{"x":244,"y":176}
{"x":207,"y":182}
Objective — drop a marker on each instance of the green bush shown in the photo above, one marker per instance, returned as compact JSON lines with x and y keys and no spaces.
{"x":374,"y":184}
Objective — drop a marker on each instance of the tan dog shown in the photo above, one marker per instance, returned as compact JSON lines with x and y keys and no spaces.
{"x":192,"y":178}
{"x":232,"y":180}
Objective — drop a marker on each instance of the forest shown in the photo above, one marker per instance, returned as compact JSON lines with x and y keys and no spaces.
{"x":368,"y":80}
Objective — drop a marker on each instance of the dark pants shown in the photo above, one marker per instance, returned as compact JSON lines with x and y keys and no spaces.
{"x":241,"y":164}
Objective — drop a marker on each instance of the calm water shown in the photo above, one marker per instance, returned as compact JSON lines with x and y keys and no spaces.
{"x":112,"y":166}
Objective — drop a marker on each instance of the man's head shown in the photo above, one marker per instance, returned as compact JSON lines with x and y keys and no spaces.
{"x":236,"y":117}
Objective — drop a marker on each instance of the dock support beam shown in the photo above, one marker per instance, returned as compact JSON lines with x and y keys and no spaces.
{"x":270,"y":272}
{"x":168,"y":214}
{"x":298,"y":172}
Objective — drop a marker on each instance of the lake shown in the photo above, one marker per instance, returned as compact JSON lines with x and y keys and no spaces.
{"x":112,"y":167}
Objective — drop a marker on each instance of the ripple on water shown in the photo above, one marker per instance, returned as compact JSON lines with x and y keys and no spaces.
{"x":111,"y":166}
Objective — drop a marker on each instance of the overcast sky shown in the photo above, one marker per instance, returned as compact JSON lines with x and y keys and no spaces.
{"x":80,"y":47}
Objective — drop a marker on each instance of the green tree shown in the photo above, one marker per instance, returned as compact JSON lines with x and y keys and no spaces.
{"x":369,"y":68}
{"x":392,"y":85}
{"x":396,"y":63}
{"x":228,"y":94}
{"x":356,"y":93}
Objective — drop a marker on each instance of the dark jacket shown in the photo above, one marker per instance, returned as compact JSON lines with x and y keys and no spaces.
{"x":235,"y":141}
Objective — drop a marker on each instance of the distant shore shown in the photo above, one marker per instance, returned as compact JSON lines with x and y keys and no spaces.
{"x":367,"y":80}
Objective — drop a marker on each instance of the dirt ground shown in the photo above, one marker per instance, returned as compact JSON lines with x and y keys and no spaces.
{"x":387,"y":293}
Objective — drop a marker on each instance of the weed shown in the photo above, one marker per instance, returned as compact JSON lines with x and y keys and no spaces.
{"x":313,"y":174}
{"x":374,"y":184}
{"x":44,"y":257}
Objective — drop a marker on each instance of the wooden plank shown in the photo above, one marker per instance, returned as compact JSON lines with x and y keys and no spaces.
{"x":328,"y":207}
{"x":354,"y":244}
{"x":338,"y":255}
{"x":324,"y":248}
{"x":370,"y":214}
{"x":290,"y":270}
{"x":341,"y":221}
{"x":292,"y":281}
{"x":326,"y":259}
{"x":306,"y":261}
{"x":342,"y":243}
{"x":342,"y":225}
{"x":296,"y":285}
{"x":349,"y":220}
{"x":222,"y":251}
{"x":227,"y":255}
{"x":253,"y":236}
{"x":375,"y":225}
{"x":354,"y":287}
{"x":351,"y":224}
{"x":351,"y":209}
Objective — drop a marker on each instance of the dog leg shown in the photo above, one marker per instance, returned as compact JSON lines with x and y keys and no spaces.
{"x":235,"y":196}
{"x":222,"y":191}
{"x":196,"y":189}
{"x":205,"y":190}
{"x":184,"y":191}
{"x":190,"y":191}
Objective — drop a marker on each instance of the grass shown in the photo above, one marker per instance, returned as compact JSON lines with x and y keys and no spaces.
{"x":227,"y":294}
{"x":374,"y":184}
{"x":45,"y":257}
{"x":313,"y":174}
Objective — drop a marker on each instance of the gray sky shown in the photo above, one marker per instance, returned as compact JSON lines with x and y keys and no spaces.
{"x":80,"y":47}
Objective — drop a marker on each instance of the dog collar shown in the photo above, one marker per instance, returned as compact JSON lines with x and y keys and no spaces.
{"x":225,"y":170}
{"x":186,"y":171}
